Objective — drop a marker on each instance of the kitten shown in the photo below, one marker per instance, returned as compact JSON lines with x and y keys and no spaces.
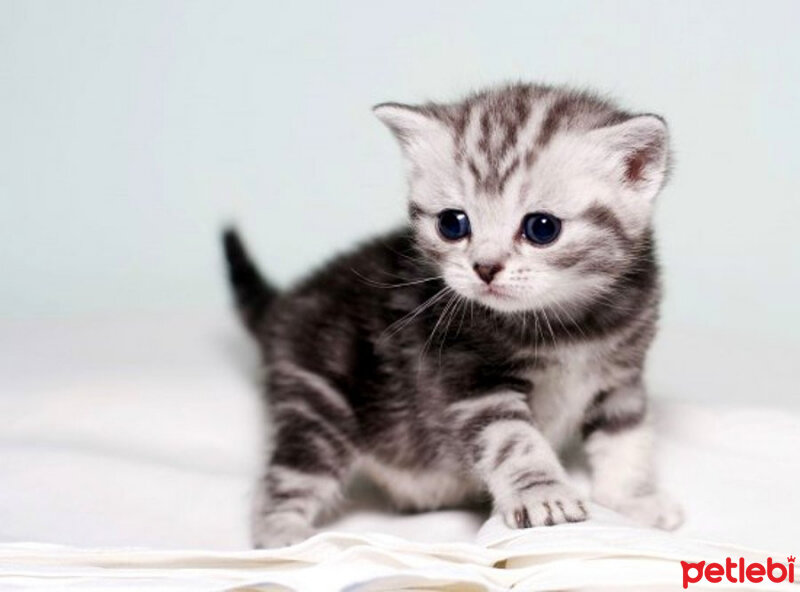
{"x":453,"y":358}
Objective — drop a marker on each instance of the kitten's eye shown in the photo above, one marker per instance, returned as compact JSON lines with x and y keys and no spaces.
{"x":540,"y":228}
{"x":453,"y":224}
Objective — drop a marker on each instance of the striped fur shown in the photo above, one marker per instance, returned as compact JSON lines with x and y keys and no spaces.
{"x":398,"y":361}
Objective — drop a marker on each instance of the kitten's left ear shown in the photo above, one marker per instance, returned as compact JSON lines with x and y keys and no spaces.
{"x":406,"y":121}
{"x":638,"y":151}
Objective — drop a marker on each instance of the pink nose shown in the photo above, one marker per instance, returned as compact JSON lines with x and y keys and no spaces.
{"x":487,"y":271}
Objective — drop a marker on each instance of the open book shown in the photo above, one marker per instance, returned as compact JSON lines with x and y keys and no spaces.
{"x":601,"y":554}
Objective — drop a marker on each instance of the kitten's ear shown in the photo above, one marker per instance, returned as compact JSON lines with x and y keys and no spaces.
{"x":406,"y":121}
{"x":421,"y":135}
{"x":638,"y":151}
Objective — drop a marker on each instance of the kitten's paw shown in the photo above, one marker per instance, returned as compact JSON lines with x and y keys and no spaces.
{"x":280,"y":530}
{"x":655,"y":509}
{"x":545,"y":505}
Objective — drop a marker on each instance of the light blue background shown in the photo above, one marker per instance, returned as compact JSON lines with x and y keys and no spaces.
{"x":130,"y":131}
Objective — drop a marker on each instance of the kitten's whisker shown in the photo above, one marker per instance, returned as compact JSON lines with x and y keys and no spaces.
{"x":406,"y":319}
{"x":463,"y":314}
{"x":561,"y":322}
{"x":549,"y":326}
{"x":451,"y":315}
{"x":418,"y":259}
{"x":398,"y":285}
{"x":436,"y":326}
{"x":573,"y":321}
{"x":460,"y":300}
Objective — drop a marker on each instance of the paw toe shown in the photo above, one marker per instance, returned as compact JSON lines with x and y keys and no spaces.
{"x":546,"y":506}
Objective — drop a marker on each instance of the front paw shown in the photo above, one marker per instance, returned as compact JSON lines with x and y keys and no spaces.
{"x":279,"y":529}
{"x":544,"y":504}
{"x":654,"y":509}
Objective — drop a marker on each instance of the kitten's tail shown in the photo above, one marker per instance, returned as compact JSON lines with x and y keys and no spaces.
{"x":252,"y":293}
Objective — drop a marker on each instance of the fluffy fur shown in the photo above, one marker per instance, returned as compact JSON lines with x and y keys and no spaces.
{"x":398,"y":360}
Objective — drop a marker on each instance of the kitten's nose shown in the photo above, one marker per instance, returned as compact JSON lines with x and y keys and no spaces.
{"x":487,"y":271}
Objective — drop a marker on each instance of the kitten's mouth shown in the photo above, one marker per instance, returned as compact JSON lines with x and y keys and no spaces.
{"x":495,"y":292}
{"x":498,"y":298}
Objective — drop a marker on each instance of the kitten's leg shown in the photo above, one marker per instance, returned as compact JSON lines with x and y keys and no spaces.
{"x":619,"y":445}
{"x":313,"y":454}
{"x":519,"y":467}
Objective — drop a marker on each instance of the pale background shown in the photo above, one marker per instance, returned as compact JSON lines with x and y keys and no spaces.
{"x":131,"y":131}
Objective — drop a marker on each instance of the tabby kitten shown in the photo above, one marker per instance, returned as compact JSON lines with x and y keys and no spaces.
{"x":454,"y":357}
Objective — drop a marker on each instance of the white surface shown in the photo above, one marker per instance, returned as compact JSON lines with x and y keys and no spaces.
{"x":130,"y":130}
{"x":148,"y":433}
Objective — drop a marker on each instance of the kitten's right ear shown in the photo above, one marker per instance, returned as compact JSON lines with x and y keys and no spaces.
{"x":421,"y":134}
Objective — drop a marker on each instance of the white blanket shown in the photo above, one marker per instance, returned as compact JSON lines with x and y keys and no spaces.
{"x":146,"y":434}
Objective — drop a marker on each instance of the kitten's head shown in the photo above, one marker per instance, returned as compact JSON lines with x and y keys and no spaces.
{"x":530,"y":197}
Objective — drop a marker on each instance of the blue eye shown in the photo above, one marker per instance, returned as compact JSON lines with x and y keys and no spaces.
{"x":540,"y":228}
{"x":453,"y":224}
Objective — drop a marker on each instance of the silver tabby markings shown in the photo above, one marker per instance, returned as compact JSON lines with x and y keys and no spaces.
{"x":452,"y":367}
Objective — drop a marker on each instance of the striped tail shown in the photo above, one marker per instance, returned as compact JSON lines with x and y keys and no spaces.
{"x":252,"y":293}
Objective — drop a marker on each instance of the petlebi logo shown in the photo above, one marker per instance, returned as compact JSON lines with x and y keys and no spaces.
{"x":739,"y":571}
